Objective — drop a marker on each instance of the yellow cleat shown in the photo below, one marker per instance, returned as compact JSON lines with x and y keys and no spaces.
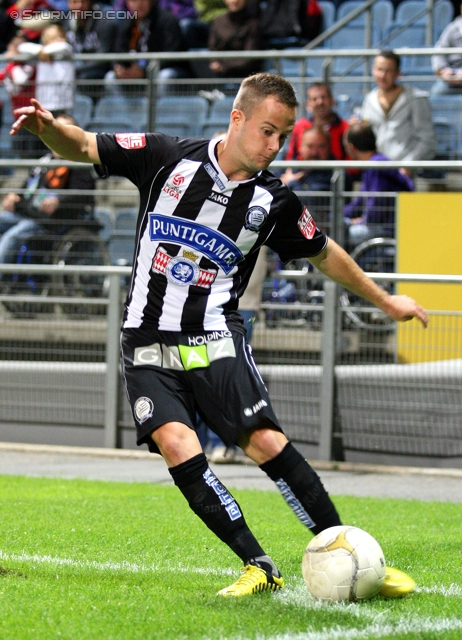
{"x":252,"y":580}
{"x":396,"y":584}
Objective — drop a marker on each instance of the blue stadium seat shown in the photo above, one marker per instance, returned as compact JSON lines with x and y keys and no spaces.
{"x":133,"y":109}
{"x":348,"y":38}
{"x":104,"y":217}
{"x":83,"y":109}
{"x":111,"y":126}
{"x":121,"y":250}
{"x":125,"y":220}
{"x":181,"y":115}
{"x":447,"y":137}
{"x":412,"y":37}
{"x":448,"y":108}
{"x":407,"y":10}
{"x":382,"y":13}
{"x":329,"y":11}
{"x":122,"y":240}
{"x":6,"y":149}
{"x":444,"y":14}
{"x":221,"y":109}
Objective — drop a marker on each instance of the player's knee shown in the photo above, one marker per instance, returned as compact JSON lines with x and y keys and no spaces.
{"x":177,"y":442}
{"x":264,"y":444}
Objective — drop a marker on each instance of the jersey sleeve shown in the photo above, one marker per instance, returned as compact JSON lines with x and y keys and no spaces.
{"x":136,"y":156}
{"x":296,"y":234}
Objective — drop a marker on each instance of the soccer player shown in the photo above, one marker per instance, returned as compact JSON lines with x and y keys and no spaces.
{"x":206,"y":207}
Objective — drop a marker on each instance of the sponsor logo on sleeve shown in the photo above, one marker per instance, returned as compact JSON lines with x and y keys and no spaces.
{"x":306,"y":224}
{"x":131,"y":140}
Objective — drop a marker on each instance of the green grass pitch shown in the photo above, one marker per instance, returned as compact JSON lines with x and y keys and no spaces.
{"x":83,"y":560}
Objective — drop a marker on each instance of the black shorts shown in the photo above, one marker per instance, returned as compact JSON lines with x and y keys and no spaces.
{"x":171,"y":376}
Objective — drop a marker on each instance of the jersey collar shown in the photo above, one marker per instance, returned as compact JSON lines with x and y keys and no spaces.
{"x":217,"y":174}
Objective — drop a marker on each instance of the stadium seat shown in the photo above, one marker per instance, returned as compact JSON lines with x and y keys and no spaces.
{"x":122,"y":240}
{"x":218,"y":119}
{"x":328,"y":13}
{"x":407,"y":11}
{"x":110,"y":126}
{"x":133,"y":109}
{"x":104,"y":217}
{"x":7,"y":108}
{"x":83,"y":109}
{"x":412,"y":37}
{"x":448,"y":108}
{"x":181,"y":115}
{"x":125,"y":220}
{"x":348,"y":65}
{"x":444,"y":14}
{"x":382,"y":13}
{"x":447,"y":137}
{"x":6,"y":149}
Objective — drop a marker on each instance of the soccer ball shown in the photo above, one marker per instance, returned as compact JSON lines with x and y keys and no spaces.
{"x":343,"y":563}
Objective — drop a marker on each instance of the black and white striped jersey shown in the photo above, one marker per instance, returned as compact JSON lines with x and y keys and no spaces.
{"x":198,"y":233}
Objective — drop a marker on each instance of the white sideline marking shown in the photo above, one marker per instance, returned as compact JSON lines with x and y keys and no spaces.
{"x":364,"y":612}
{"x":292,"y":595}
{"x":452,"y":590}
{"x":295,"y":594}
{"x":110,"y":566}
{"x":414,"y":625}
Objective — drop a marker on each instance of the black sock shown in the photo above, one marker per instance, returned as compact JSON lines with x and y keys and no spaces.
{"x":215,"y":506}
{"x":302,"y":488}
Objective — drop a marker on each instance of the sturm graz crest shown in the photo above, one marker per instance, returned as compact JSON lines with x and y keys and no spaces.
{"x":255,"y":218}
{"x":182,"y":271}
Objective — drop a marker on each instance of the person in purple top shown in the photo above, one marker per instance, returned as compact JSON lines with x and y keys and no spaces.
{"x":181,"y":9}
{"x":373,"y":215}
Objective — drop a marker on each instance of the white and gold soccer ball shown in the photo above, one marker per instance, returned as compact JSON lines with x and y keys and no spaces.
{"x":343,"y":563}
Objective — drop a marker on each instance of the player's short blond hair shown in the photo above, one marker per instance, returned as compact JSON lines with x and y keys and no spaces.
{"x":255,"y":88}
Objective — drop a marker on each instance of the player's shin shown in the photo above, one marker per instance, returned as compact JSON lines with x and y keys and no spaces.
{"x":302,"y":489}
{"x":215,"y":506}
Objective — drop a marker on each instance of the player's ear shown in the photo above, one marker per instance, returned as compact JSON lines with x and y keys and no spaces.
{"x":237,"y":116}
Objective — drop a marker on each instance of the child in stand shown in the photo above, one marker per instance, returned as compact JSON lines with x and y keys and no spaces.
{"x":55,"y":80}
{"x":19,"y":79}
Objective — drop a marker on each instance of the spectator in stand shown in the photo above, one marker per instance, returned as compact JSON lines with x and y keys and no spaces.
{"x":87,"y":34}
{"x":235,"y":30}
{"x":181,"y":9}
{"x":315,"y":145}
{"x":449,"y":66}
{"x":152,"y":30}
{"x":319,"y":107}
{"x":8,"y":27}
{"x":19,"y":80}
{"x":400,"y":115}
{"x":31,"y":27}
{"x":197,"y":31}
{"x":372,"y":215}
{"x":280,"y":23}
{"x":42,"y":212}
{"x":8,"y":215}
{"x":55,"y":79}
{"x":208,"y":10}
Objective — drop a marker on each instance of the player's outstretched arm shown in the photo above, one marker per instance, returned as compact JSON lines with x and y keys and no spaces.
{"x":67,"y":140}
{"x":334,"y":262}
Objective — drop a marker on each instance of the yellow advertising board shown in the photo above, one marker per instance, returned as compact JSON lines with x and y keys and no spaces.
{"x":429,"y":241}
